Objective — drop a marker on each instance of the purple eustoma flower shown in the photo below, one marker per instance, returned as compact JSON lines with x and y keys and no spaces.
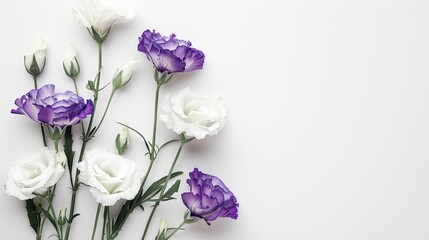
{"x":169,"y":54}
{"x":209,"y":198}
{"x":45,"y":106}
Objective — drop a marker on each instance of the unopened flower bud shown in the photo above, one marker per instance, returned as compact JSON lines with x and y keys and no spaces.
{"x":62,"y":216}
{"x":35,"y":60}
{"x":122,"y":140}
{"x":71,"y":63}
{"x":61,"y":158}
{"x":162,"y":230}
{"x":124,"y":74}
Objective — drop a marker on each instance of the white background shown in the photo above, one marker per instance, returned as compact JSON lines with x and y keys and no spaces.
{"x":327,"y":134}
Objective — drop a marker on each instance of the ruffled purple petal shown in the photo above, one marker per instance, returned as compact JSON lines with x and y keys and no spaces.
{"x":89,"y":107}
{"x":31,"y":109}
{"x":194,"y":59}
{"x":209,"y":198}
{"x":46,"y":115}
{"x":61,"y":109}
{"x":165,"y":61}
{"x":169,"y":54}
{"x":44,"y":92}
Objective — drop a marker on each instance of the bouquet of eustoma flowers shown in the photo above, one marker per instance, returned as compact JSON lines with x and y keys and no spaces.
{"x":110,"y":176}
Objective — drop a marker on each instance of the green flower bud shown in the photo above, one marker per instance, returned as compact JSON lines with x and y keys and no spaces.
{"x":62,"y":217}
{"x":122,"y":140}
{"x":162,"y":230}
{"x":124,"y":74}
{"x":35,"y":60}
{"x":71,"y":63}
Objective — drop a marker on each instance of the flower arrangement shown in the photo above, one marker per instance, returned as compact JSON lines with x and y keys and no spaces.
{"x":110,"y":176}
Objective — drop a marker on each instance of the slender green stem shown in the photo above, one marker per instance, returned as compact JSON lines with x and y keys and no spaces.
{"x":155,"y":122}
{"x":41,"y":125}
{"x":105,"y":110}
{"x":62,"y":233}
{"x":85,"y":138}
{"x":74,"y":189}
{"x":96,"y":221}
{"x":77,"y":92}
{"x":35,"y":81}
{"x":51,"y":209}
{"x":176,"y":230}
{"x":108,"y":227}
{"x":75,"y":86}
{"x":155,"y":207}
{"x":104,"y":224}
{"x":56,"y":144}
{"x":40,"y":229}
{"x":43,"y":135}
{"x":152,"y":157}
{"x":97,"y":82}
{"x":152,"y":152}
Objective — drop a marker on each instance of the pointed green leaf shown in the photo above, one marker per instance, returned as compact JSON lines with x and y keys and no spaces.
{"x":68,"y":148}
{"x":173,"y":189}
{"x":157,"y":186}
{"x":33,"y":215}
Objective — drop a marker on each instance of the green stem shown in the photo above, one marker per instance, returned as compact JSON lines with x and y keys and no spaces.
{"x":61,"y":232}
{"x":35,"y":81}
{"x":41,"y":125}
{"x":75,"y":86}
{"x":109,"y":229}
{"x":40,"y":229}
{"x":176,"y":230}
{"x":74,"y":189}
{"x":86,"y":138}
{"x":43,"y":135}
{"x":104,"y":224}
{"x":105,"y":110}
{"x":56,"y":144}
{"x":152,"y":151}
{"x":152,"y":157}
{"x":155,"y":124}
{"x":155,"y":207}
{"x":77,"y":92}
{"x":52,"y":210}
{"x":96,"y":221}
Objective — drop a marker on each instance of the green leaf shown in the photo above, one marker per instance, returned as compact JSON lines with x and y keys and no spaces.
{"x":68,"y":148}
{"x":156,"y":187}
{"x":74,"y":216}
{"x":126,"y":210}
{"x":48,"y":216}
{"x":161,"y":236}
{"x":130,"y":205}
{"x":172,"y":190}
{"x":90,"y":85}
{"x":33,"y":215}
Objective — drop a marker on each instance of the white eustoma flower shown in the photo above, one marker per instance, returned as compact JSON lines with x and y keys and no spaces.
{"x":71,"y":63}
{"x":34,"y":175}
{"x":124,"y":74}
{"x":35,"y":60}
{"x":110,"y":176}
{"x":102,"y":14}
{"x":195,"y":115}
